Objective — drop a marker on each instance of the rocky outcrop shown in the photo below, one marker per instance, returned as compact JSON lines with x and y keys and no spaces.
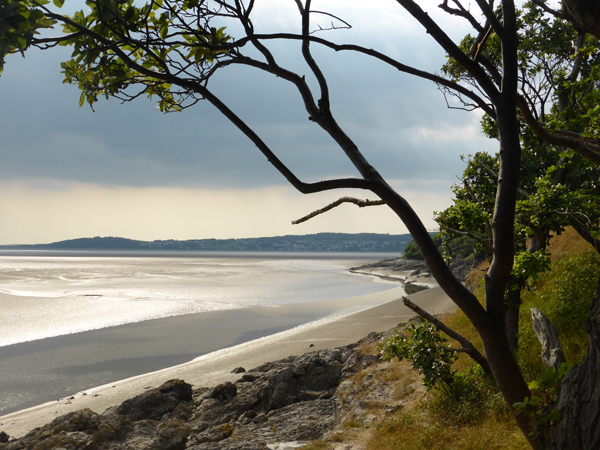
{"x":292,"y":400}
{"x":415,"y":268}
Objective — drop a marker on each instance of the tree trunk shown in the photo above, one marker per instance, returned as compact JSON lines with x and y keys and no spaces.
{"x":579,"y":399}
{"x":513,"y":305}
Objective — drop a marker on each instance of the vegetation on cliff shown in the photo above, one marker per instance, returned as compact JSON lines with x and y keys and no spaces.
{"x":469,"y":412}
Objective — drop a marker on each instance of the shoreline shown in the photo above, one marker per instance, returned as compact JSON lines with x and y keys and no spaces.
{"x":43,"y":370}
{"x":215,"y":367}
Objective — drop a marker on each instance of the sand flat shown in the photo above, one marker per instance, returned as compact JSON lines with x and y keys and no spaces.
{"x":216,"y":367}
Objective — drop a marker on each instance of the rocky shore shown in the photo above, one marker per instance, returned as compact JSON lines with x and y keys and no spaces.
{"x":278,"y":405}
{"x":411,"y":270}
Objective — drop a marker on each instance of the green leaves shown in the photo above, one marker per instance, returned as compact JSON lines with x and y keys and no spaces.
{"x":528,"y":266}
{"x":19,"y":22}
{"x":124,"y":49}
{"x":422,"y":344}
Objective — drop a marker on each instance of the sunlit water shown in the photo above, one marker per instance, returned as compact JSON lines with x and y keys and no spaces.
{"x":70,"y":323}
{"x":49,"y":296}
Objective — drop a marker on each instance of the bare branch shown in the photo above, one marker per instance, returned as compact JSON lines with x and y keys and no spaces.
{"x":479,"y":43}
{"x":360,"y":203}
{"x":316,"y":70}
{"x":461,"y":12}
{"x":53,"y":41}
{"x":467,"y":347}
{"x":386,"y":59}
{"x":474,"y":69}
{"x":346,"y":25}
{"x":489,"y":14}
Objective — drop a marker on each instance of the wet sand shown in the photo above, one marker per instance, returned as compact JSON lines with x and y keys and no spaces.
{"x":42,"y":370}
{"x":216,"y":367}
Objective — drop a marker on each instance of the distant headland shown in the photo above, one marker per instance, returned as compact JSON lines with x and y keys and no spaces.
{"x":320,"y":242}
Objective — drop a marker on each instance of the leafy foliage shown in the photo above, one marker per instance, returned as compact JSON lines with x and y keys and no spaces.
{"x":422,"y":344}
{"x":412,"y":251}
{"x":19,"y":22}
{"x":558,"y":66}
{"x":473,"y":397}
{"x":119,"y":44}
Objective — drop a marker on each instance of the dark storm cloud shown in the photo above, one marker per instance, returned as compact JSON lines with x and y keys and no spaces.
{"x":46,"y":135}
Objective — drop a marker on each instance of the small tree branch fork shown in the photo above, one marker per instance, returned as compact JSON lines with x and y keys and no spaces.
{"x":360,"y":203}
{"x":467,"y":347}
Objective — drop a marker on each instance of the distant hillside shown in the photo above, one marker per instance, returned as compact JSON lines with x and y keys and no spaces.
{"x":321,"y":242}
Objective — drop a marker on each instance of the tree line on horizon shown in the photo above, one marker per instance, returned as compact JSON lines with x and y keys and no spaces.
{"x":320,"y":242}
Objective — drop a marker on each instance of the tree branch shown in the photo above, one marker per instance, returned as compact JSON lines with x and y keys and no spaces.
{"x":360,"y":203}
{"x":386,"y":59}
{"x":461,"y":12}
{"x":567,"y":139}
{"x":491,"y":17}
{"x":452,"y":49}
{"x":316,"y":70}
{"x":197,"y":87}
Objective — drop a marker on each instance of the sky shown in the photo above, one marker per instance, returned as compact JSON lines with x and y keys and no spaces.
{"x":129,"y":170}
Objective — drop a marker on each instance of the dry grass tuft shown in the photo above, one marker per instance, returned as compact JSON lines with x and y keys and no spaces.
{"x":417,"y":430}
{"x":567,"y":244}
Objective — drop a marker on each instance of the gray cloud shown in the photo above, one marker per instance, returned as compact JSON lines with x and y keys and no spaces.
{"x":46,"y":135}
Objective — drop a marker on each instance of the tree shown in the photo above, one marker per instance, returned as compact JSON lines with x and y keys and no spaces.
{"x":170,"y":49}
{"x":558,"y":67}
{"x":550,"y":198}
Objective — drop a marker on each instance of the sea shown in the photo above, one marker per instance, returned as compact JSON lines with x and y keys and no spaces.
{"x":72,"y":320}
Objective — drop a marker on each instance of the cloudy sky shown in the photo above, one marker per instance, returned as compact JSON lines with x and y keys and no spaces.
{"x":128,"y":170}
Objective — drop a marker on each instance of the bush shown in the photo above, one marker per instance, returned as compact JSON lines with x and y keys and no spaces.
{"x":422,"y":344}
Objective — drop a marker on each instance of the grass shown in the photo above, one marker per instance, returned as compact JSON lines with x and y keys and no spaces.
{"x":317,"y":445}
{"x":417,"y":430}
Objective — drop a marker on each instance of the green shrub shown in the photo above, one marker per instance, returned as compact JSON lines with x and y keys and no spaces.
{"x":422,"y":344}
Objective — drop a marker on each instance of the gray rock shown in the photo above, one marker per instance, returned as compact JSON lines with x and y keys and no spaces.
{"x":293,"y":400}
{"x":155,"y":403}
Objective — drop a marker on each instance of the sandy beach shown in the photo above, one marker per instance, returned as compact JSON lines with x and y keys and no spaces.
{"x":216,"y":367}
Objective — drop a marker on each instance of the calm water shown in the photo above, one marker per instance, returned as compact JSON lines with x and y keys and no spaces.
{"x":53,"y":295}
{"x":73,"y":321}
